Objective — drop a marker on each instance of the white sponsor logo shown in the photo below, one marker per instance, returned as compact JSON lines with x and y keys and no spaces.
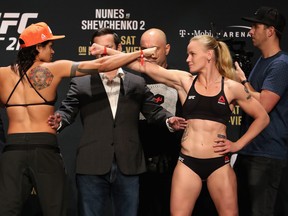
{"x":8,"y":22}
{"x":238,"y":31}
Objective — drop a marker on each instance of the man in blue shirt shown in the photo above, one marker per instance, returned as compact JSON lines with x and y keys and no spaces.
{"x":259,"y":165}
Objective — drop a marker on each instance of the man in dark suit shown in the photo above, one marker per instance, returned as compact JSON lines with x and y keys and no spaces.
{"x":110,"y":156}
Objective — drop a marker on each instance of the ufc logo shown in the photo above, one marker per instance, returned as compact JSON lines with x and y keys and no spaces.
{"x":15,"y":19}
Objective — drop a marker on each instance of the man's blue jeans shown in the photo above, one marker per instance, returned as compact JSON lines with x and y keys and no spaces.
{"x":94,"y":191}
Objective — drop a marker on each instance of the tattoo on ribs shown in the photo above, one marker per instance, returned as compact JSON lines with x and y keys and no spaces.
{"x":185,"y":135}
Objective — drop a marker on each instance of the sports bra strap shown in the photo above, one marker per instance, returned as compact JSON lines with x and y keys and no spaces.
{"x":21,"y":77}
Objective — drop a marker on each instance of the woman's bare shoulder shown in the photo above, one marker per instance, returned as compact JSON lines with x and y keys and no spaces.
{"x":5,"y":70}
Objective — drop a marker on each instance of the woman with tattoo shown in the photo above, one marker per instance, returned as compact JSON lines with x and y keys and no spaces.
{"x":31,"y":157}
{"x":208,"y":95}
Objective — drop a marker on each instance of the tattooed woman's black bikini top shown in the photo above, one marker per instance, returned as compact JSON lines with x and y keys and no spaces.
{"x":49,"y":103}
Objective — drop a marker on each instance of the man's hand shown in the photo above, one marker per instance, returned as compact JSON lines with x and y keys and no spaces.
{"x":177,"y":123}
{"x":97,"y":49}
{"x":240,"y":75}
{"x":54,"y":120}
{"x":149,"y":52}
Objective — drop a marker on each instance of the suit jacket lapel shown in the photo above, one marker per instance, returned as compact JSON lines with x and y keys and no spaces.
{"x":123,"y":89}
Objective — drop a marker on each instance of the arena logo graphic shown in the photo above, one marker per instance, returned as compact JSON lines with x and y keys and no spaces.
{"x":233,"y":31}
{"x":234,"y":36}
{"x":10,"y":22}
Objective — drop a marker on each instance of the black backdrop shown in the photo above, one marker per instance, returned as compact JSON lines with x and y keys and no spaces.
{"x":77,"y":20}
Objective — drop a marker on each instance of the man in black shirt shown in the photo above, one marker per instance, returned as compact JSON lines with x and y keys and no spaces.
{"x":161,"y":147}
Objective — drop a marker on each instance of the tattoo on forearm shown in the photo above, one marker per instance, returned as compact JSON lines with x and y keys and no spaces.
{"x":246,"y":89}
{"x":248,"y":93}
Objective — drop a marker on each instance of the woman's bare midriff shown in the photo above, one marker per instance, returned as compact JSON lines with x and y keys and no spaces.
{"x":199,"y":138}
